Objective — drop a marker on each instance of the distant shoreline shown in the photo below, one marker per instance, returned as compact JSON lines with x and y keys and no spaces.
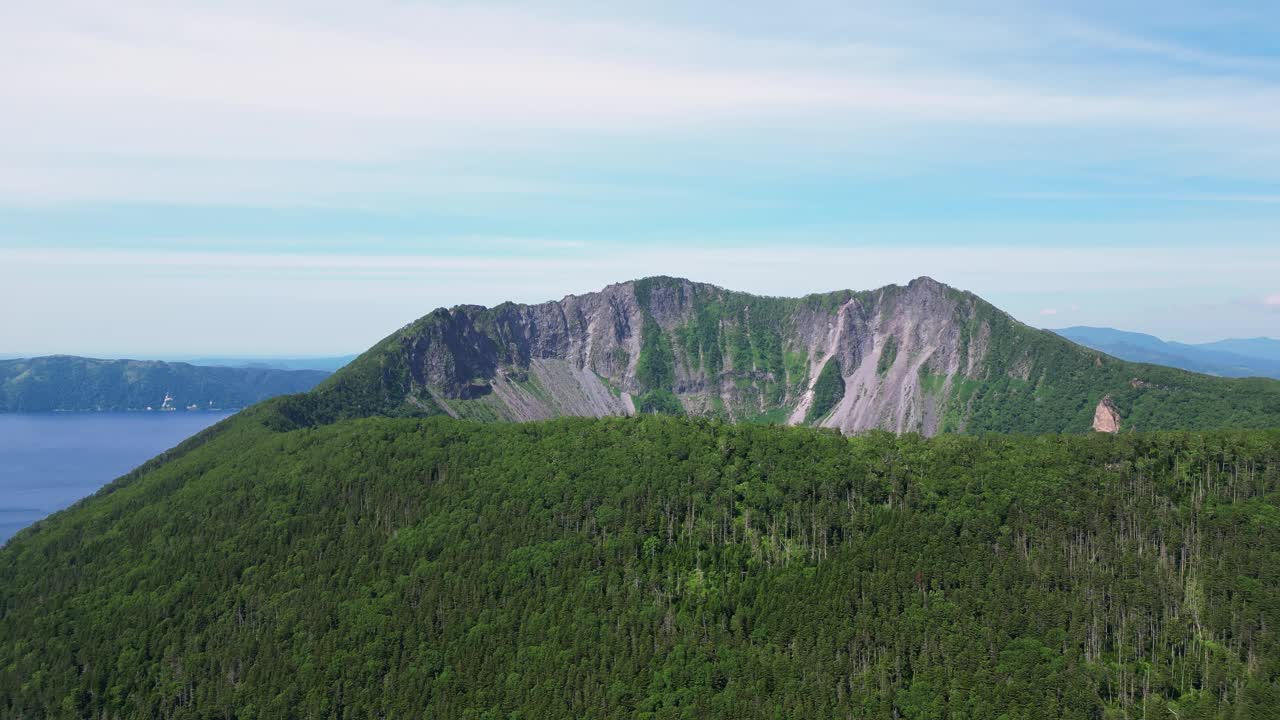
{"x":121,"y":411}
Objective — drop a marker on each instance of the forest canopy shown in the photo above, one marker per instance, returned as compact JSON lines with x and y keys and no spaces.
{"x":655,"y":567}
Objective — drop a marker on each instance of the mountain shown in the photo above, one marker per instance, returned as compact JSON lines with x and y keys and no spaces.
{"x":1259,"y":348}
{"x":1228,"y":358}
{"x":924,"y":357}
{"x":68,"y":383}
{"x":304,"y":559}
{"x":655,"y":567}
{"x":326,"y":364}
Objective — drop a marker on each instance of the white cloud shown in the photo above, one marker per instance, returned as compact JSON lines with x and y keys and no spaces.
{"x":1272,"y":300}
{"x":172,"y":75}
{"x":1049,"y":311}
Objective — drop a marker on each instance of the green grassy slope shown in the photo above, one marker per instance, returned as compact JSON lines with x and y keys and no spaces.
{"x":654,"y":568}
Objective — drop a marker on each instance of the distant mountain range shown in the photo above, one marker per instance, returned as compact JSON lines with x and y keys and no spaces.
{"x":327,"y":364}
{"x":70,"y":383}
{"x":1253,"y":357}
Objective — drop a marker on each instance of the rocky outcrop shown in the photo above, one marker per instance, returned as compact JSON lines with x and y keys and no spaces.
{"x":1105,"y":417}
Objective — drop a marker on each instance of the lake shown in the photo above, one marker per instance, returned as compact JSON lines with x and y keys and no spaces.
{"x":50,"y":460}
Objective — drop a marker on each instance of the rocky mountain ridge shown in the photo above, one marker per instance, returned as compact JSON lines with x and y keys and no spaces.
{"x":923,"y":357}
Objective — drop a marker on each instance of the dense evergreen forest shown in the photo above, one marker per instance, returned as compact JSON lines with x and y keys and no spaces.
{"x":654,"y":567}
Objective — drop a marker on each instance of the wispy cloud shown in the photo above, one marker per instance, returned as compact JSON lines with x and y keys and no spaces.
{"x":1096,"y":37}
{"x":1122,"y":195}
{"x":246,"y":102}
{"x":452,"y":67}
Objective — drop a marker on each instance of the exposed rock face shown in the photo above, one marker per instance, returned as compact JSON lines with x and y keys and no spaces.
{"x":1105,"y":417}
{"x":716,"y":352}
{"x":921,"y":358}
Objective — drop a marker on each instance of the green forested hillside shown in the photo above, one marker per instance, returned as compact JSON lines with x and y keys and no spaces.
{"x":655,"y":568}
{"x":1040,"y":383}
{"x":69,"y":383}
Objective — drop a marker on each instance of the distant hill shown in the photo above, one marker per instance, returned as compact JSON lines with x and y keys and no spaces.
{"x":327,"y":364}
{"x":1257,"y":357}
{"x":1259,"y":347}
{"x":69,"y":383}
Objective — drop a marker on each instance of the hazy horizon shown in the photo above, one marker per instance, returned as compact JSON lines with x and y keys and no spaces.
{"x":170,"y":355}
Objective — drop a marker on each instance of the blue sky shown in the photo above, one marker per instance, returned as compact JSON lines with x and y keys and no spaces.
{"x":302,"y":178}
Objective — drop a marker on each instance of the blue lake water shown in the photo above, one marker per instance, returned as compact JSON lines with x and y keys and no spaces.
{"x":50,"y":460}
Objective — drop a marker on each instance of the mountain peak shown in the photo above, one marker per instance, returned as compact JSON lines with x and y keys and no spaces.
{"x":926,"y":281}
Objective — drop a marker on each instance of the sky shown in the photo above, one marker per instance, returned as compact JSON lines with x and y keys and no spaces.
{"x":290,"y":178}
